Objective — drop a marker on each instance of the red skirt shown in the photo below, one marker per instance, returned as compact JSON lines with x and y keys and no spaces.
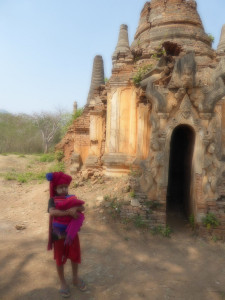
{"x":63,"y":252}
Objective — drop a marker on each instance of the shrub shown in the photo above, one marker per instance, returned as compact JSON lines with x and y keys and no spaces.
{"x":211,"y":37}
{"x":164,"y":231}
{"x":140,"y":73}
{"x":152,"y":204}
{"x":192,"y":221}
{"x":25,"y":177}
{"x":48,"y":157}
{"x":140,"y":222}
{"x":40,"y":176}
{"x":10,"y":176}
{"x":59,"y":167}
{"x":210,"y":220}
{"x":59,"y":155}
{"x":132,"y":194}
{"x":106,"y":198}
{"x":114,"y":206}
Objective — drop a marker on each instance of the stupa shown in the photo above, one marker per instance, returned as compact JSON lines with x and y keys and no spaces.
{"x":162,"y":115}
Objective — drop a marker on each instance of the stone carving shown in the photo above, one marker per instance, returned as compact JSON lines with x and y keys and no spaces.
{"x":185,"y":107}
{"x":214,"y":133}
{"x":217,"y":91}
{"x":152,"y":167}
{"x":180,"y":94}
{"x":153,"y":95}
{"x":184,"y":72}
{"x":186,"y":114}
{"x":151,"y":177}
{"x":154,"y":120}
{"x":210,"y":172}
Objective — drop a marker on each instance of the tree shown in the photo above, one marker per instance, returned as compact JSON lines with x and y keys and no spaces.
{"x":49,"y":125}
{"x":18,"y":134}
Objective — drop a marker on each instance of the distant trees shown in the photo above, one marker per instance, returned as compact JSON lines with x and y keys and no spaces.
{"x":19,"y":134}
{"x":49,"y":125}
{"x":35,"y":133}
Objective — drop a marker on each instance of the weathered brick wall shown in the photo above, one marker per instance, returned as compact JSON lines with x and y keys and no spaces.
{"x":174,"y":20}
{"x":77,"y":135}
{"x":153,"y":212}
{"x":221,"y":189}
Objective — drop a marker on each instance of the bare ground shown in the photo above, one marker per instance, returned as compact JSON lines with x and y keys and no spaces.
{"x":117,"y":262}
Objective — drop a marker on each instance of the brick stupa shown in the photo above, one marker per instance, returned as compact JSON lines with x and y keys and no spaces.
{"x":161,"y":114}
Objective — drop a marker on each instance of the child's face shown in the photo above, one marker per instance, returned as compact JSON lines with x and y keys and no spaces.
{"x":62,"y":189}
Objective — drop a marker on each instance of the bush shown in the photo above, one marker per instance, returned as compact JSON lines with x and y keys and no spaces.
{"x":140,"y":73}
{"x":210,"y":220}
{"x":59,"y":155}
{"x":25,"y":177}
{"x":59,"y":167}
{"x":48,"y":157}
{"x":192,"y":221}
{"x":132,"y":194}
{"x":10,"y":176}
{"x":211,"y":37}
{"x":140,"y":222}
{"x":164,"y":231}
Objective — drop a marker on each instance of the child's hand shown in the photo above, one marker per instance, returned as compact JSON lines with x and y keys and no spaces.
{"x":80,"y":208}
{"x":73,"y":212}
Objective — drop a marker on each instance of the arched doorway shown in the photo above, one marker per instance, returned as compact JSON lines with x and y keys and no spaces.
{"x":179,"y":206}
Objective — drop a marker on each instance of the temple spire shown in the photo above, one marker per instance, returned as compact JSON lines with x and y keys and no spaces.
{"x":97,"y":78}
{"x":221,"y":46}
{"x":123,"y":42}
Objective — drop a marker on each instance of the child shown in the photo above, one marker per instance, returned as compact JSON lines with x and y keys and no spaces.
{"x":66,"y":218}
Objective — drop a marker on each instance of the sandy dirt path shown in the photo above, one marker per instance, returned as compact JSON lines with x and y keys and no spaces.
{"x":117,"y":263}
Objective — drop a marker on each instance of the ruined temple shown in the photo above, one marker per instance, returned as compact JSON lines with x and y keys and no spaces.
{"x":161,"y":116}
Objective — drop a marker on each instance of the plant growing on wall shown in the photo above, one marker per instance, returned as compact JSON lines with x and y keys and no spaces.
{"x":211,"y":37}
{"x":140,"y":73}
{"x":210,"y":220}
{"x":192,"y":221}
{"x":59,"y":155}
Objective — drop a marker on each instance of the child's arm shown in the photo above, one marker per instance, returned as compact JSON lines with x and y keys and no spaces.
{"x":72,"y":212}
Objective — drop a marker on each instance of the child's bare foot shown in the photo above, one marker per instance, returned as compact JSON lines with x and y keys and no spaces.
{"x":80,"y":284}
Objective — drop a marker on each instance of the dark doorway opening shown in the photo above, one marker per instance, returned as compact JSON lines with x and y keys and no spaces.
{"x":179,"y":180}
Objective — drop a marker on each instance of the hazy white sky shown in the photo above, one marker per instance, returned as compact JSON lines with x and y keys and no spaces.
{"x":48,"y":46}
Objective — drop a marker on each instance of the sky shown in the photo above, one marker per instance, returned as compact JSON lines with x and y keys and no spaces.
{"x":48,"y":46}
